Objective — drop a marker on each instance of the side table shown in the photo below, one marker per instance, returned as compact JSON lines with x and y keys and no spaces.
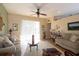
{"x":32,"y":45}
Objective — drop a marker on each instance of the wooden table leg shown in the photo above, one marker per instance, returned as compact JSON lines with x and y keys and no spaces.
{"x":37,"y":47}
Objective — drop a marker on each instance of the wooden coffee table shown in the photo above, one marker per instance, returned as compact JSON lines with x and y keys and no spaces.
{"x":51,"y":52}
{"x":6,"y":54}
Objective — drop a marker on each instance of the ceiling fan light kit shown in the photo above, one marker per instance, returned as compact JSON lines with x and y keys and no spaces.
{"x":38,"y":13}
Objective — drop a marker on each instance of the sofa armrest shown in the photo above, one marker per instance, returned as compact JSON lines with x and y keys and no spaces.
{"x":10,"y":49}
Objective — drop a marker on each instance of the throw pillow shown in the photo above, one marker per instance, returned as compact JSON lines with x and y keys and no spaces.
{"x":73,"y":38}
{"x":12,"y":39}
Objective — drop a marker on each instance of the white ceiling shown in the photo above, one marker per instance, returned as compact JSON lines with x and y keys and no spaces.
{"x":51,"y":9}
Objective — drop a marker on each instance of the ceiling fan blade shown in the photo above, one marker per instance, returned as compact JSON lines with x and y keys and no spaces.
{"x":34,"y":11}
{"x":33,"y":14}
{"x":43,"y":14}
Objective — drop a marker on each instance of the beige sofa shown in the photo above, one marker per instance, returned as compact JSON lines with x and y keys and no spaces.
{"x":68,"y":42}
{"x":7,"y":46}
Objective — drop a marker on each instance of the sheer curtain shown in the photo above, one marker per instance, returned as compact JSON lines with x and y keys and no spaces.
{"x":29,"y":28}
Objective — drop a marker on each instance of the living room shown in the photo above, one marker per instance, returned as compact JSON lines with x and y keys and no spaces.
{"x":56,"y":29}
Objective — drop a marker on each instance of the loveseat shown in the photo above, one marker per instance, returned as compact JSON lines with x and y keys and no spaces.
{"x":69,"y":41}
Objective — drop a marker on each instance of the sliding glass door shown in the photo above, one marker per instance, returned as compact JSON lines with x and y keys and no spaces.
{"x":29,"y":28}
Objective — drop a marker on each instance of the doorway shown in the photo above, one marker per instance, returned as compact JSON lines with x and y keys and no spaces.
{"x":29,"y":28}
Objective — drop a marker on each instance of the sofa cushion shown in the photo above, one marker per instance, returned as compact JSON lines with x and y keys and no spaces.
{"x":12,"y":39}
{"x":66,"y":36}
{"x":73,"y":38}
{"x":1,"y":41}
{"x":7,"y":42}
{"x":67,"y":44}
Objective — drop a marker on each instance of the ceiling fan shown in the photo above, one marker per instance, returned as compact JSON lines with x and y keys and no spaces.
{"x":38,"y":13}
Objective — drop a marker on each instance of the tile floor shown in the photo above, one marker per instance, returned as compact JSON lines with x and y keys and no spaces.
{"x":42,"y":45}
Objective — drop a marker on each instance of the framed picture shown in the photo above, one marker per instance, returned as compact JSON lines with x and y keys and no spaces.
{"x":1,"y":23}
{"x":73,"y":25}
{"x":15,"y":27}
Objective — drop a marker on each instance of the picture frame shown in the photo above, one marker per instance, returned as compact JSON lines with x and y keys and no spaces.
{"x":73,"y":25}
{"x":1,"y":23}
{"x":15,"y":26}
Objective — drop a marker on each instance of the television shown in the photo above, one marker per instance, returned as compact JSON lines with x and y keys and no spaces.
{"x":73,"y":25}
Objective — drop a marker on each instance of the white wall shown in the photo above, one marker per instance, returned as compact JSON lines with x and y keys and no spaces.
{"x":4,"y":15}
{"x":62,"y":23}
{"x":13,"y":18}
